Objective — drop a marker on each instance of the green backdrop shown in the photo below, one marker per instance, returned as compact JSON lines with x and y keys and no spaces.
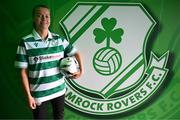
{"x":16,"y":22}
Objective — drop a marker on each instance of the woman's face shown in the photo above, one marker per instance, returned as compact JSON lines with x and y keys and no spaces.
{"x":42,"y":18}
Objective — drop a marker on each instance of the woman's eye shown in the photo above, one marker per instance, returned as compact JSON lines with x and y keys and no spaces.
{"x":42,"y":16}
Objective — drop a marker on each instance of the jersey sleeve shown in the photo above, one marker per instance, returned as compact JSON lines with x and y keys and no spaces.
{"x":21,"y":60}
{"x":69,"y":50}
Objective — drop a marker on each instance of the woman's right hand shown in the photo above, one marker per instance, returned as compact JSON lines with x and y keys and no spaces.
{"x":32,"y":102}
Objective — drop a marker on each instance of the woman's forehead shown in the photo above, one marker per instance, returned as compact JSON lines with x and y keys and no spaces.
{"x":42,"y":10}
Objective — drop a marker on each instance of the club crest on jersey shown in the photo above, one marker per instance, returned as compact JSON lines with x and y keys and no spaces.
{"x":54,"y":43}
{"x":112,"y":38}
{"x":36,"y":44}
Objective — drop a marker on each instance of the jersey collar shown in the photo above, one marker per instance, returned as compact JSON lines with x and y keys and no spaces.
{"x":38,"y":37}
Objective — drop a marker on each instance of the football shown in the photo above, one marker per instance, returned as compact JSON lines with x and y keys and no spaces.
{"x":68,"y":66}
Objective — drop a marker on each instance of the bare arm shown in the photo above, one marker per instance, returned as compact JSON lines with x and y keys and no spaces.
{"x":80,"y":61}
{"x":25,"y":82}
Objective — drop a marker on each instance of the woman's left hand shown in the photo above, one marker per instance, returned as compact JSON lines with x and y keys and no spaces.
{"x":76,"y":75}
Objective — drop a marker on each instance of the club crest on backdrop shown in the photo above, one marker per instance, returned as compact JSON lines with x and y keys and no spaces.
{"x":112,"y":38}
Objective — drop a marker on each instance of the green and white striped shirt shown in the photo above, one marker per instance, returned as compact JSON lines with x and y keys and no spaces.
{"x":41,"y":58}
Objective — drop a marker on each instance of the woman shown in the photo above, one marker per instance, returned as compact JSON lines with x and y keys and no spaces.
{"x":38,"y":56}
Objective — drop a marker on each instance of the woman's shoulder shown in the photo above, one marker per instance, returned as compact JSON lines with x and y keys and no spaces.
{"x":57,"y":36}
{"x":28,"y":37}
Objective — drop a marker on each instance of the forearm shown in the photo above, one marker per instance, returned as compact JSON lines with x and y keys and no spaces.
{"x":80,"y":61}
{"x":25,"y":82}
{"x":24,"y":77}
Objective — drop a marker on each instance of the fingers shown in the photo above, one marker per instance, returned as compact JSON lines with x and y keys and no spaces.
{"x":33,"y":105}
{"x":76,"y":75}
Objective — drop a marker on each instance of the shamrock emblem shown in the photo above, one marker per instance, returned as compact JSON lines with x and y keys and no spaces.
{"x":108,"y":32}
{"x":107,"y":60}
{"x":36,"y":44}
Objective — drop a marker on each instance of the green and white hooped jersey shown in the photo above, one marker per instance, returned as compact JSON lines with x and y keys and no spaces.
{"x":41,"y":58}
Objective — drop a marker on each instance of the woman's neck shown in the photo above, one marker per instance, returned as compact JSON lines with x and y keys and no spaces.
{"x":43,"y":33}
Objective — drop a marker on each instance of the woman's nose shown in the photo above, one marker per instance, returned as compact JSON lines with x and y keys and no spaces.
{"x":43,"y":17}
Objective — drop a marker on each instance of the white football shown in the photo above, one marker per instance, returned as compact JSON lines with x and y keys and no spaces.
{"x":69,"y":65}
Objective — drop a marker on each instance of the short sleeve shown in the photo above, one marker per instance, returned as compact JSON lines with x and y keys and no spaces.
{"x":69,"y":49}
{"x":21,"y":60}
